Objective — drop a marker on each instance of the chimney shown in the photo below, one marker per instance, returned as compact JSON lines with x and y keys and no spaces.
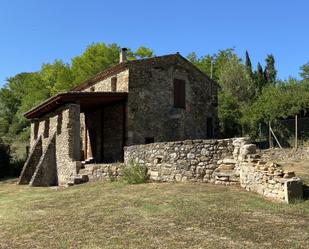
{"x":123,"y":55}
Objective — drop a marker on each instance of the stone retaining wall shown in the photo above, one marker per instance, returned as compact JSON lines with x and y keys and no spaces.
{"x":227,"y":161}
{"x":103,"y":172}
{"x":191,"y":160}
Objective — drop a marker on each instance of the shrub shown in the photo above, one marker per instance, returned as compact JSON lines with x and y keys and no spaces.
{"x":5,"y":159}
{"x":17,"y":166}
{"x":135,"y":173}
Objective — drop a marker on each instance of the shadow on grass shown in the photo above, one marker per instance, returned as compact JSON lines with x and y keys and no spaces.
{"x":10,"y":180}
{"x":306,"y":192}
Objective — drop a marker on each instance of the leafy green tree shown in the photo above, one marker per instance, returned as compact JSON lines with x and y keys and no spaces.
{"x":229,"y":114}
{"x":270,"y":70}
{"x":96,"y":58}
{"x":143,"y":52}
{"x":304,"y":73}
{"x":233,"y":79}
{"x":57,"y":76}
{"x":275,"y":102}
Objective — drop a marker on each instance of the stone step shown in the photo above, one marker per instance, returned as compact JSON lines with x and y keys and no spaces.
{"x":78,"y":179}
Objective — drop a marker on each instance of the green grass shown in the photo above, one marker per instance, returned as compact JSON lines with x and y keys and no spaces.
{"x":153,"y":215}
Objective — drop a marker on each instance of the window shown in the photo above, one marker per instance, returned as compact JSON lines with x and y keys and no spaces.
{"x":114,"y":84}
{"x":209,"y":127}
{"x":92,"y":89}
{"x":179,"y":93}
{"x":149,"y":140}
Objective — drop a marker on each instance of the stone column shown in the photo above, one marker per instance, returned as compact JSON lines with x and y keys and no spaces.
{"x":74,"y":132}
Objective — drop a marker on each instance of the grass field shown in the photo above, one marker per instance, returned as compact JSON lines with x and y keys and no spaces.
{"x":161,"y":215}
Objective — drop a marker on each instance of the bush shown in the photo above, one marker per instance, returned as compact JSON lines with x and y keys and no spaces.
{"x":5,"y":159}
{"x":135,"y":173}
{"x":16,"y":167}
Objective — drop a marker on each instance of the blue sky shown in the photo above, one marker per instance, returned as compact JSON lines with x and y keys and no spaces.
{"x":34,"y":31}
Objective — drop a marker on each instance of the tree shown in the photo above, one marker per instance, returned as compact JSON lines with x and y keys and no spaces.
{"x":143,"y":52}
{"x":203,"y":63}
{"x":249,"y":73}
{"x":95,"y":59}
{"x":305,"y":71}
{"x":57,"y":76}
{"x":233,"y":79}
{"x":270,"y":70}
{"x":229,"y":115}
{"x":259,"y":79}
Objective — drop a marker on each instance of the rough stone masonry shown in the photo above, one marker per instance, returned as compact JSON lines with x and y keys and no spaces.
{"x":227,"y":161}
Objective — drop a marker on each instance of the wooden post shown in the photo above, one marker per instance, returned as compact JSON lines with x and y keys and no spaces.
{"x":296,"y":132}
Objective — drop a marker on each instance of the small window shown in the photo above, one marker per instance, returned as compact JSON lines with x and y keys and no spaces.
{"x":209,"y":127}
{"x":149,"y":140}
{"x":46,"y":128}
{"x":114,"y":84}
{"x":92,"y":89}
{"x":179,"y":93}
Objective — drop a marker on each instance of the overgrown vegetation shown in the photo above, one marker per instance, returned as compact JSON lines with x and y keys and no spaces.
{"x":155,"y":215}
{"x":135,"y":173}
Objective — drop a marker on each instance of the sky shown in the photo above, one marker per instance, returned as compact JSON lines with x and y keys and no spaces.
{"x":33,"y":32}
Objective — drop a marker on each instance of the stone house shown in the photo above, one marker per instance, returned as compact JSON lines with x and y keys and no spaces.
{"x":159,"y":99}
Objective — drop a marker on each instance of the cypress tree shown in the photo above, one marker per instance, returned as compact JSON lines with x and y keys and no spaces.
{"x":270,"y":72}
{"x":249,"y":72}
{"x":260,"y":79}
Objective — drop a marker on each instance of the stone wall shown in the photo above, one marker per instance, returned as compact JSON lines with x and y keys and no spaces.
{"x":31,"y":162}
{"x":189,"y":160}
{"x":151,"y":111}
{"x":46,"y":171}
{"x":105,"y":84}
{"x":65,"y":124}
{"x":227,"y":161}
{"x":103,"y":172}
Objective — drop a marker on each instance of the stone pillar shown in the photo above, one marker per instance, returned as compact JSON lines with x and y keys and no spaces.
{"x":68,"y":144}
{"x":74,"y":132}
{"x":34,"y":129}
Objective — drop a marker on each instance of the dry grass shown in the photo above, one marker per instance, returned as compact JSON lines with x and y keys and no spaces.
{"x":116,"y":215}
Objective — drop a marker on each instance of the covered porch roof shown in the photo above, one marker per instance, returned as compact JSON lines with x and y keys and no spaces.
{"x":86,"y":100}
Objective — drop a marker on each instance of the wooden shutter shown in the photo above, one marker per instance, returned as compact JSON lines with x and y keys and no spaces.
{"x":179,"y":93}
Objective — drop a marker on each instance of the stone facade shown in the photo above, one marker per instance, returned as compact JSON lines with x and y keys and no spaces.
{"x":103,"y":172}
{"x":228,"y":161}
{"x":151,"y":111}
{"x":56,"y":148}
{"x":148,"y":115}
{"x":131,"y":103}
{"x":105,"y":85}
